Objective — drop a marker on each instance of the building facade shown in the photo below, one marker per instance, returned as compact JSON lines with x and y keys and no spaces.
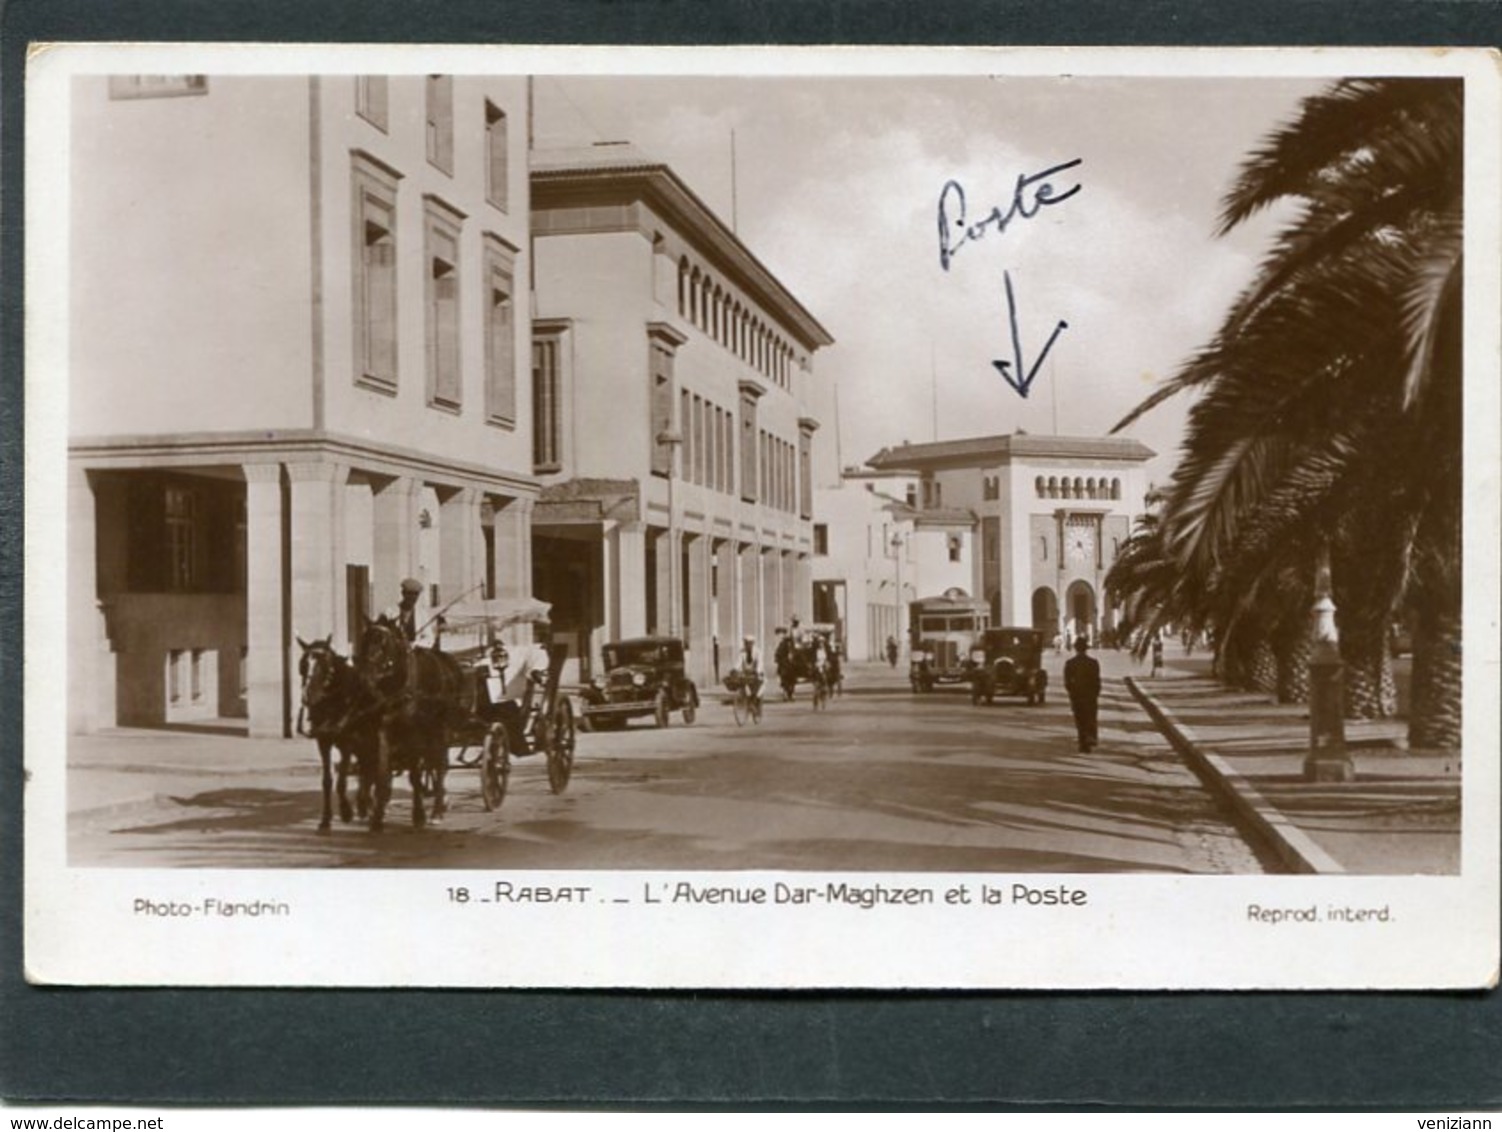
{"x":298,"y":322}
{"x":673,"y":435}
{"x":876,"y":550}
{"x":1052,"y":514}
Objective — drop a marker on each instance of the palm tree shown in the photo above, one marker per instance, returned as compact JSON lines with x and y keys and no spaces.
{"x":1329,"y":399}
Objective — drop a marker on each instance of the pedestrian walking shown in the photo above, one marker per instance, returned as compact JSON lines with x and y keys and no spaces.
{"x":892,"y":651}
{"x":1157,"y":655}
{"x":1082,"y":682}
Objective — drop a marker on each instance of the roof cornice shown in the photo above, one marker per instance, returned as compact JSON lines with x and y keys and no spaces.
{"x":983,"y":451}
{"x":659,"y":187}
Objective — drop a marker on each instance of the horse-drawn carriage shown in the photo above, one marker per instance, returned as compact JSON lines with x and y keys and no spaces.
{"x":809,"y":657}
{"x":398,"y":708}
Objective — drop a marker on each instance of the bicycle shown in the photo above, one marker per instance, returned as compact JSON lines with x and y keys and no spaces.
{"x":821,"y":691}
{"x":747,"y":705}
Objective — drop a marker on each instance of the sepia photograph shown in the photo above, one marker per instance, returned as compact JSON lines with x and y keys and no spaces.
{"x":773,"y":499}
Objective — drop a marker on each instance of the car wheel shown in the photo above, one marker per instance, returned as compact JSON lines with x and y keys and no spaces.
{"x":660,"y":709}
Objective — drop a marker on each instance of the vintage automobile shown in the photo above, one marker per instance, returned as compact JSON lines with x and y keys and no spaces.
{"x":1007,"y":662}
{"x":643,"y":676}
{"x":941,"y":632}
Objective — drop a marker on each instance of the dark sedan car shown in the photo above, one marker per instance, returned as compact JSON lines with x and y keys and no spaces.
{"x":1008,"y":662}
{"x":643,"y":676}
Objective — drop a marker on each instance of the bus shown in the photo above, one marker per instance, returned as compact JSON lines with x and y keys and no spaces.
{"x":941,"y":632}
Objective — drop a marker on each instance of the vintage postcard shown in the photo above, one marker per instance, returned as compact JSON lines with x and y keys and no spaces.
{"x":764,"y":518}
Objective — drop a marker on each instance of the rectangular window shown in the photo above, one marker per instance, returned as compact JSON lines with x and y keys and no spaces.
{"x":441,"y":279}
{"x":182,"y":538}
{"x":157,"y":86}
{"x":371,"y":101}
{"x":686,"y":431}
{"x":440,"y":114}
{"x":500,"y":334}
{"x":374,"y":264}
{"x":546,"y":416}
{"x":196,"y":688}
{"x":497,"y":163}
{"x":700,"y":453}
{"x":821,"y":538}
{"x":805,"y":474}
{"x":662,"y":412}
{"x":748,"y":449}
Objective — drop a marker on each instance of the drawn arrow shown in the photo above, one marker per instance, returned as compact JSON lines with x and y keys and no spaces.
{"x":1017,"y":380}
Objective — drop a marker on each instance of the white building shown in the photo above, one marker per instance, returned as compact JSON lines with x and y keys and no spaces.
{"x":876,"y":550}
{"x":1052,"y":514}
{"x":298,"y":314}
{"x":673,"y":434}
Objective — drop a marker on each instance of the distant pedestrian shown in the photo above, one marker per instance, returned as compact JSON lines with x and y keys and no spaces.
{"x":1157,"y":656}
{"x":892,"y":651}
{"x":1082,"y":682}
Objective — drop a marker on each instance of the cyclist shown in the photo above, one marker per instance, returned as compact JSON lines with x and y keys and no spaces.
{"x":750,"y":666}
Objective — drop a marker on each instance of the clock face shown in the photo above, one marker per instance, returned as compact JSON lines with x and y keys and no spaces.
{"x":1082,"y":545}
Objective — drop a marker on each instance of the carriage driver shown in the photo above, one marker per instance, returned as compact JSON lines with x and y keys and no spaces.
{"x":413,"y":617}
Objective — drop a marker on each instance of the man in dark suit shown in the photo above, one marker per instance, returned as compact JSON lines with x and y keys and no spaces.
{"x":1082,"y":682}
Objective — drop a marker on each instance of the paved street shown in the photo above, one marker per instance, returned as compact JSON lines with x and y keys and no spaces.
{"x":882,"y":779}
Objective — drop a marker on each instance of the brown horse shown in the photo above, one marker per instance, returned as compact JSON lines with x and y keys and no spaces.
{"x":336,"y":713}
{"x":421,"y":697}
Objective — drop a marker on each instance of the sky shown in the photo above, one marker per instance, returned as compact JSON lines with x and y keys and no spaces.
{"x":837,"y":188}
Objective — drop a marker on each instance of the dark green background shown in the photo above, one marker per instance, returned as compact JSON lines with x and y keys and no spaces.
{"x":613,"y":1050}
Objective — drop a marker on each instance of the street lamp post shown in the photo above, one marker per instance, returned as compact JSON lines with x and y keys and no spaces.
{"x":897,"y":544}
{"x":1327,"y":760}
{"x":672,"y":438}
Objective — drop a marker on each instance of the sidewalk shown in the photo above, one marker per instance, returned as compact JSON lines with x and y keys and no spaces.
{"x":120,"y":769}
{"x":1401,"y":816}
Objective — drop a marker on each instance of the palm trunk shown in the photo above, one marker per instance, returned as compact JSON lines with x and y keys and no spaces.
{"x":1293,"y":668}
{"x":1371,"y":691}
{"x":1263,"y":669}
{"x":1434,"y":708}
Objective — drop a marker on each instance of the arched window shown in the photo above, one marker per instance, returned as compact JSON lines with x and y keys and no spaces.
{"x":1090,"y":487}
{"x":1079,"y":488}
{"x":1115,"y":489}
{"x":1053,"y":487}
{"x":1041,"y":486}
{"x":683,"y":282}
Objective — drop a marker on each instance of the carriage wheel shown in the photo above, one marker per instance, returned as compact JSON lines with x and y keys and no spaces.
{"x":495,"y":768}
{"x":561,"y":746}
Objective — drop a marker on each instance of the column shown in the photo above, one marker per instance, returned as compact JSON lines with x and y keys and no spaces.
{"x":630,"y":581}
{"x":460,"y":545}
{"x":395,"y":550}
{"x":727,"y":599}
{"x":317,"y":585}
{"x":803,"y":586}
{"x":88,"y":641}
{"x":513,"y":534}
{"x":701,"y":663}
{"x":748,"y":587}
{"x":267,"y":694}
{"x":663,"y":581}
{"x":771,"y":616}
{"x":792,"y":603}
